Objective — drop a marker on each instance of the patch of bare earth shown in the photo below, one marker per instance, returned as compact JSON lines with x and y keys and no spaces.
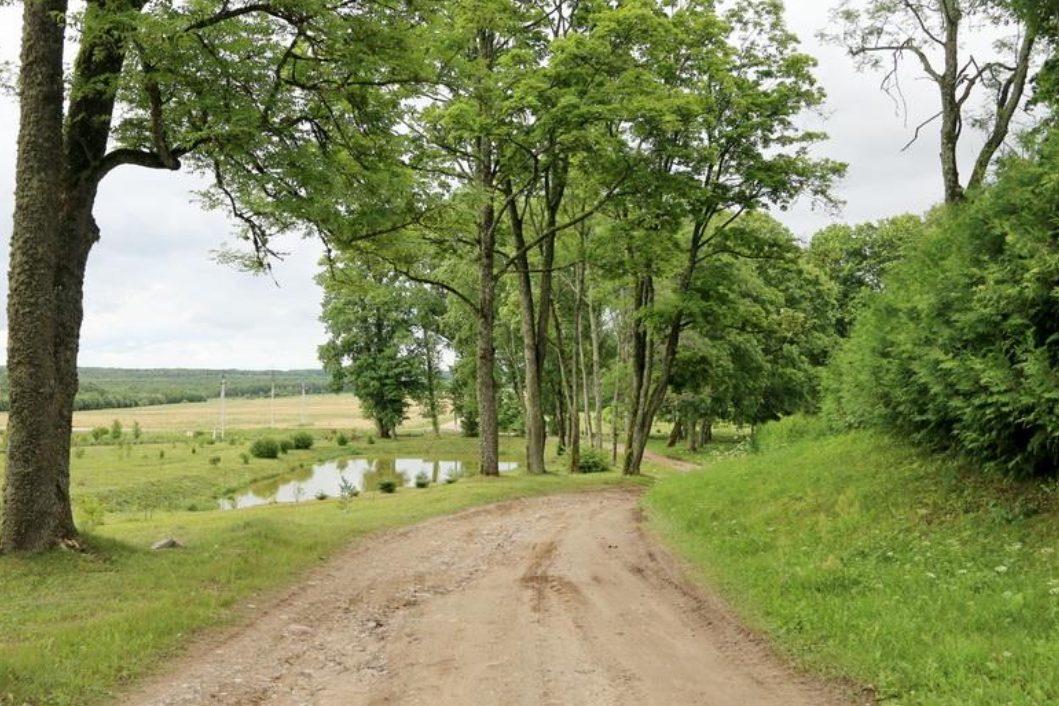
{"x":556,"y":600}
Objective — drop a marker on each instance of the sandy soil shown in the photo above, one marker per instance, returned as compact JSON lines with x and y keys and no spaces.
{"x":557,"y":600}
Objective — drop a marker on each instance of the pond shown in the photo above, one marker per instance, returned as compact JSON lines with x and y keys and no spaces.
{"x":363,"y":473}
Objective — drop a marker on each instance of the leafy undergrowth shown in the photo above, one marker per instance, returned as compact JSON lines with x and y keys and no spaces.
{"x":74,"y":627}
{"x":866,"y":560}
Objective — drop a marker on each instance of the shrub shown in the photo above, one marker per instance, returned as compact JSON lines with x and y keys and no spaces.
{"x":961,"y":349}
{"x":245,"y":457}
{"x":321,"y":495}
{"x":215,"y":460}
{"x":263,"y":448}
{"x":388,"y":486}
{"x":302,"y":440}
{"x":593,"y":461}
{"x":115,"y":430}
{"x":99,"y":432}
{"x":285,"y":445}
{"x":422,"y":480}
{"x":371,"y":439}
{"x":79,"y":452}
{"x":449,"y":480}
{"x":341,"y":439}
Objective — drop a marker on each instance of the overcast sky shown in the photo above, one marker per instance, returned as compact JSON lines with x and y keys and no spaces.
{"x":154,"y":297}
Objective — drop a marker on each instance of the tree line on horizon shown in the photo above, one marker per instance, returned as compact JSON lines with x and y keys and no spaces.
{"x":115,"y":388}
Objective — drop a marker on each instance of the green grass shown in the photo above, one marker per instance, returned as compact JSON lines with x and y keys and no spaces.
{"x":73,"y":627}
{"x":866,"y":560}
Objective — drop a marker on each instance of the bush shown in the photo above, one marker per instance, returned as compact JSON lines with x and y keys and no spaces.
{"x":961,"y":350}
{"x":422,"y":480}
{"x":245,"y":457}
{"x":593,"y":461}
{"x":263,"y":448}
{"x":388,"y":486}
{"x":321,"y":495}
{"x":341,"y":439}
{"x":285,"y":445}
{"x":215,"y":460}
{"x":302,"y":440}
{"x":99,"y":432}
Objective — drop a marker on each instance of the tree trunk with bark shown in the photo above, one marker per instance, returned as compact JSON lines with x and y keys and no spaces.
{"x":57,"y":177}
{"x":532,"y":350}
{"x":488,"y":413}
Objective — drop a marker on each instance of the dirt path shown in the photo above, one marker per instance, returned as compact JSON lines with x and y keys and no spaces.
{"x":557,"y":600}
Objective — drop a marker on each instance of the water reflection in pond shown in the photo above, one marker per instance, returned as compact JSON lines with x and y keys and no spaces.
{"x":363,"y":473}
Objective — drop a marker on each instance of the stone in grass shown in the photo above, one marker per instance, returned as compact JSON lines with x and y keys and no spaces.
{"x":169,"y":543}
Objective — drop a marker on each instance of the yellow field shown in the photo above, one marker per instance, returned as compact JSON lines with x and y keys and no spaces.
{"x":326,"y":411}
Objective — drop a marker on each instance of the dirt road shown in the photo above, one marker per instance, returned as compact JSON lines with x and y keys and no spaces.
{"x":557,"y":600}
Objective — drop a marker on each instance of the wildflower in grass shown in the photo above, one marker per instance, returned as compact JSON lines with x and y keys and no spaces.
{"x":1001,"y":569}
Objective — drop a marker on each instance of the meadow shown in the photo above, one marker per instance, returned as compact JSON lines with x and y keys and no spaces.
{"x":324,"y":411}
{"x":76,"y":627}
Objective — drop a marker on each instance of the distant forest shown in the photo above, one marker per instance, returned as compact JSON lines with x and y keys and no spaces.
{"x":107,"y":388}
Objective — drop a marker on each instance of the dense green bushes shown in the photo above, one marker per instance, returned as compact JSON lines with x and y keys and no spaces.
{"x":961,"y":349}
{"x":265,"y":448}
{"x":302,"y":440}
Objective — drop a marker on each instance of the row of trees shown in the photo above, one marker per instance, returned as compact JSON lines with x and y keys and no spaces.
{"x":580,"y":182}
{"x":111,"y":388}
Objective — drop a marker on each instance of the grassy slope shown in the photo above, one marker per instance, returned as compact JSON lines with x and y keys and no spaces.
{"x":73,"y":627}
{"x":864,"y":559}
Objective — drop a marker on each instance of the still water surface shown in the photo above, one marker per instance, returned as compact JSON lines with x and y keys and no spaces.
{"x":362,"y":473}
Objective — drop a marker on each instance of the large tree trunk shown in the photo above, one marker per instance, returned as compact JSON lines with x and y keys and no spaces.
{"x":52,"y":235}
{"x":37,"y":513}
{"x":488,"y":421}
{"x":533,"y":402}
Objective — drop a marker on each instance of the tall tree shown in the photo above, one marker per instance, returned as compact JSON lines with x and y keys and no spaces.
{"x":720,"y":140}
{"x":982,"y":91}
{"x":219,"y":84}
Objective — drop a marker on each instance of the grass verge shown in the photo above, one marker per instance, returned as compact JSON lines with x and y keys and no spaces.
{"x":864,"y":559}
{"x":74,"y":627}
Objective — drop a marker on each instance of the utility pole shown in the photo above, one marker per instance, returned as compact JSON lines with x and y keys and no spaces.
{"x":224,"y":386}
